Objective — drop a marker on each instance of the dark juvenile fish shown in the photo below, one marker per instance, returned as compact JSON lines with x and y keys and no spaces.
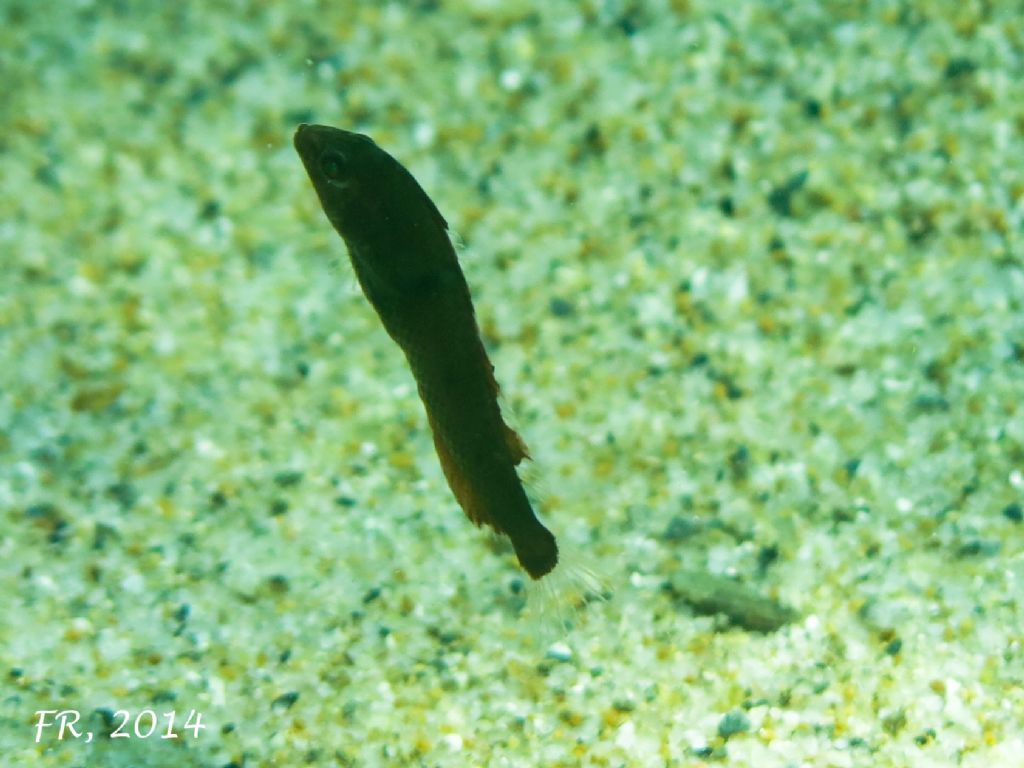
{"x":405,"y":263}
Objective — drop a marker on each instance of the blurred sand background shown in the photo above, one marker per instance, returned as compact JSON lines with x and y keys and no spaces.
{"x":751,"y":277}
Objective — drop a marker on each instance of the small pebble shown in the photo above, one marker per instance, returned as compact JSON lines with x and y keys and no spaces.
{"x":732,"y":723}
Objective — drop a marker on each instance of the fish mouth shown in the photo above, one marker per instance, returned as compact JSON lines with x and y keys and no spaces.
{"x":311,"y":140}
{"x":307,"y":139}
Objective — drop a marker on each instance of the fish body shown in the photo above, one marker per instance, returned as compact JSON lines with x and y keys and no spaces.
{"x":403,"y":258}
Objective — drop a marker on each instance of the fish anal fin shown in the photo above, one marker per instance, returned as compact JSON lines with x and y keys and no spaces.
{"x":471,"y":504}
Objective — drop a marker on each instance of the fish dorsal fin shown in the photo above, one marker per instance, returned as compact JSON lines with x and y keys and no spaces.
{"x":516,"y":446}
{"x":437,"y":214}
{"x":431,"y":207}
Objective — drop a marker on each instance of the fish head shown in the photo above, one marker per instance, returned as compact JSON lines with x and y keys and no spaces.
{"x":342,"y":166}
{"x":397,"y":239}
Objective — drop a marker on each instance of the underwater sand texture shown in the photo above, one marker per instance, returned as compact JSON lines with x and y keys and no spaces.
{"x":750,"y":274}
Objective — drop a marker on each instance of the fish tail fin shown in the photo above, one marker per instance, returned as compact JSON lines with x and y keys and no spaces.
{"x":558,"y":600}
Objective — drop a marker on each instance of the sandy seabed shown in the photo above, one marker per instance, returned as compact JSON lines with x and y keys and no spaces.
{"x":751,"y":275}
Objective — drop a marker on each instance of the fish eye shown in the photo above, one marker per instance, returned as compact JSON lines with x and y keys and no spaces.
{"x":332,"y":165}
